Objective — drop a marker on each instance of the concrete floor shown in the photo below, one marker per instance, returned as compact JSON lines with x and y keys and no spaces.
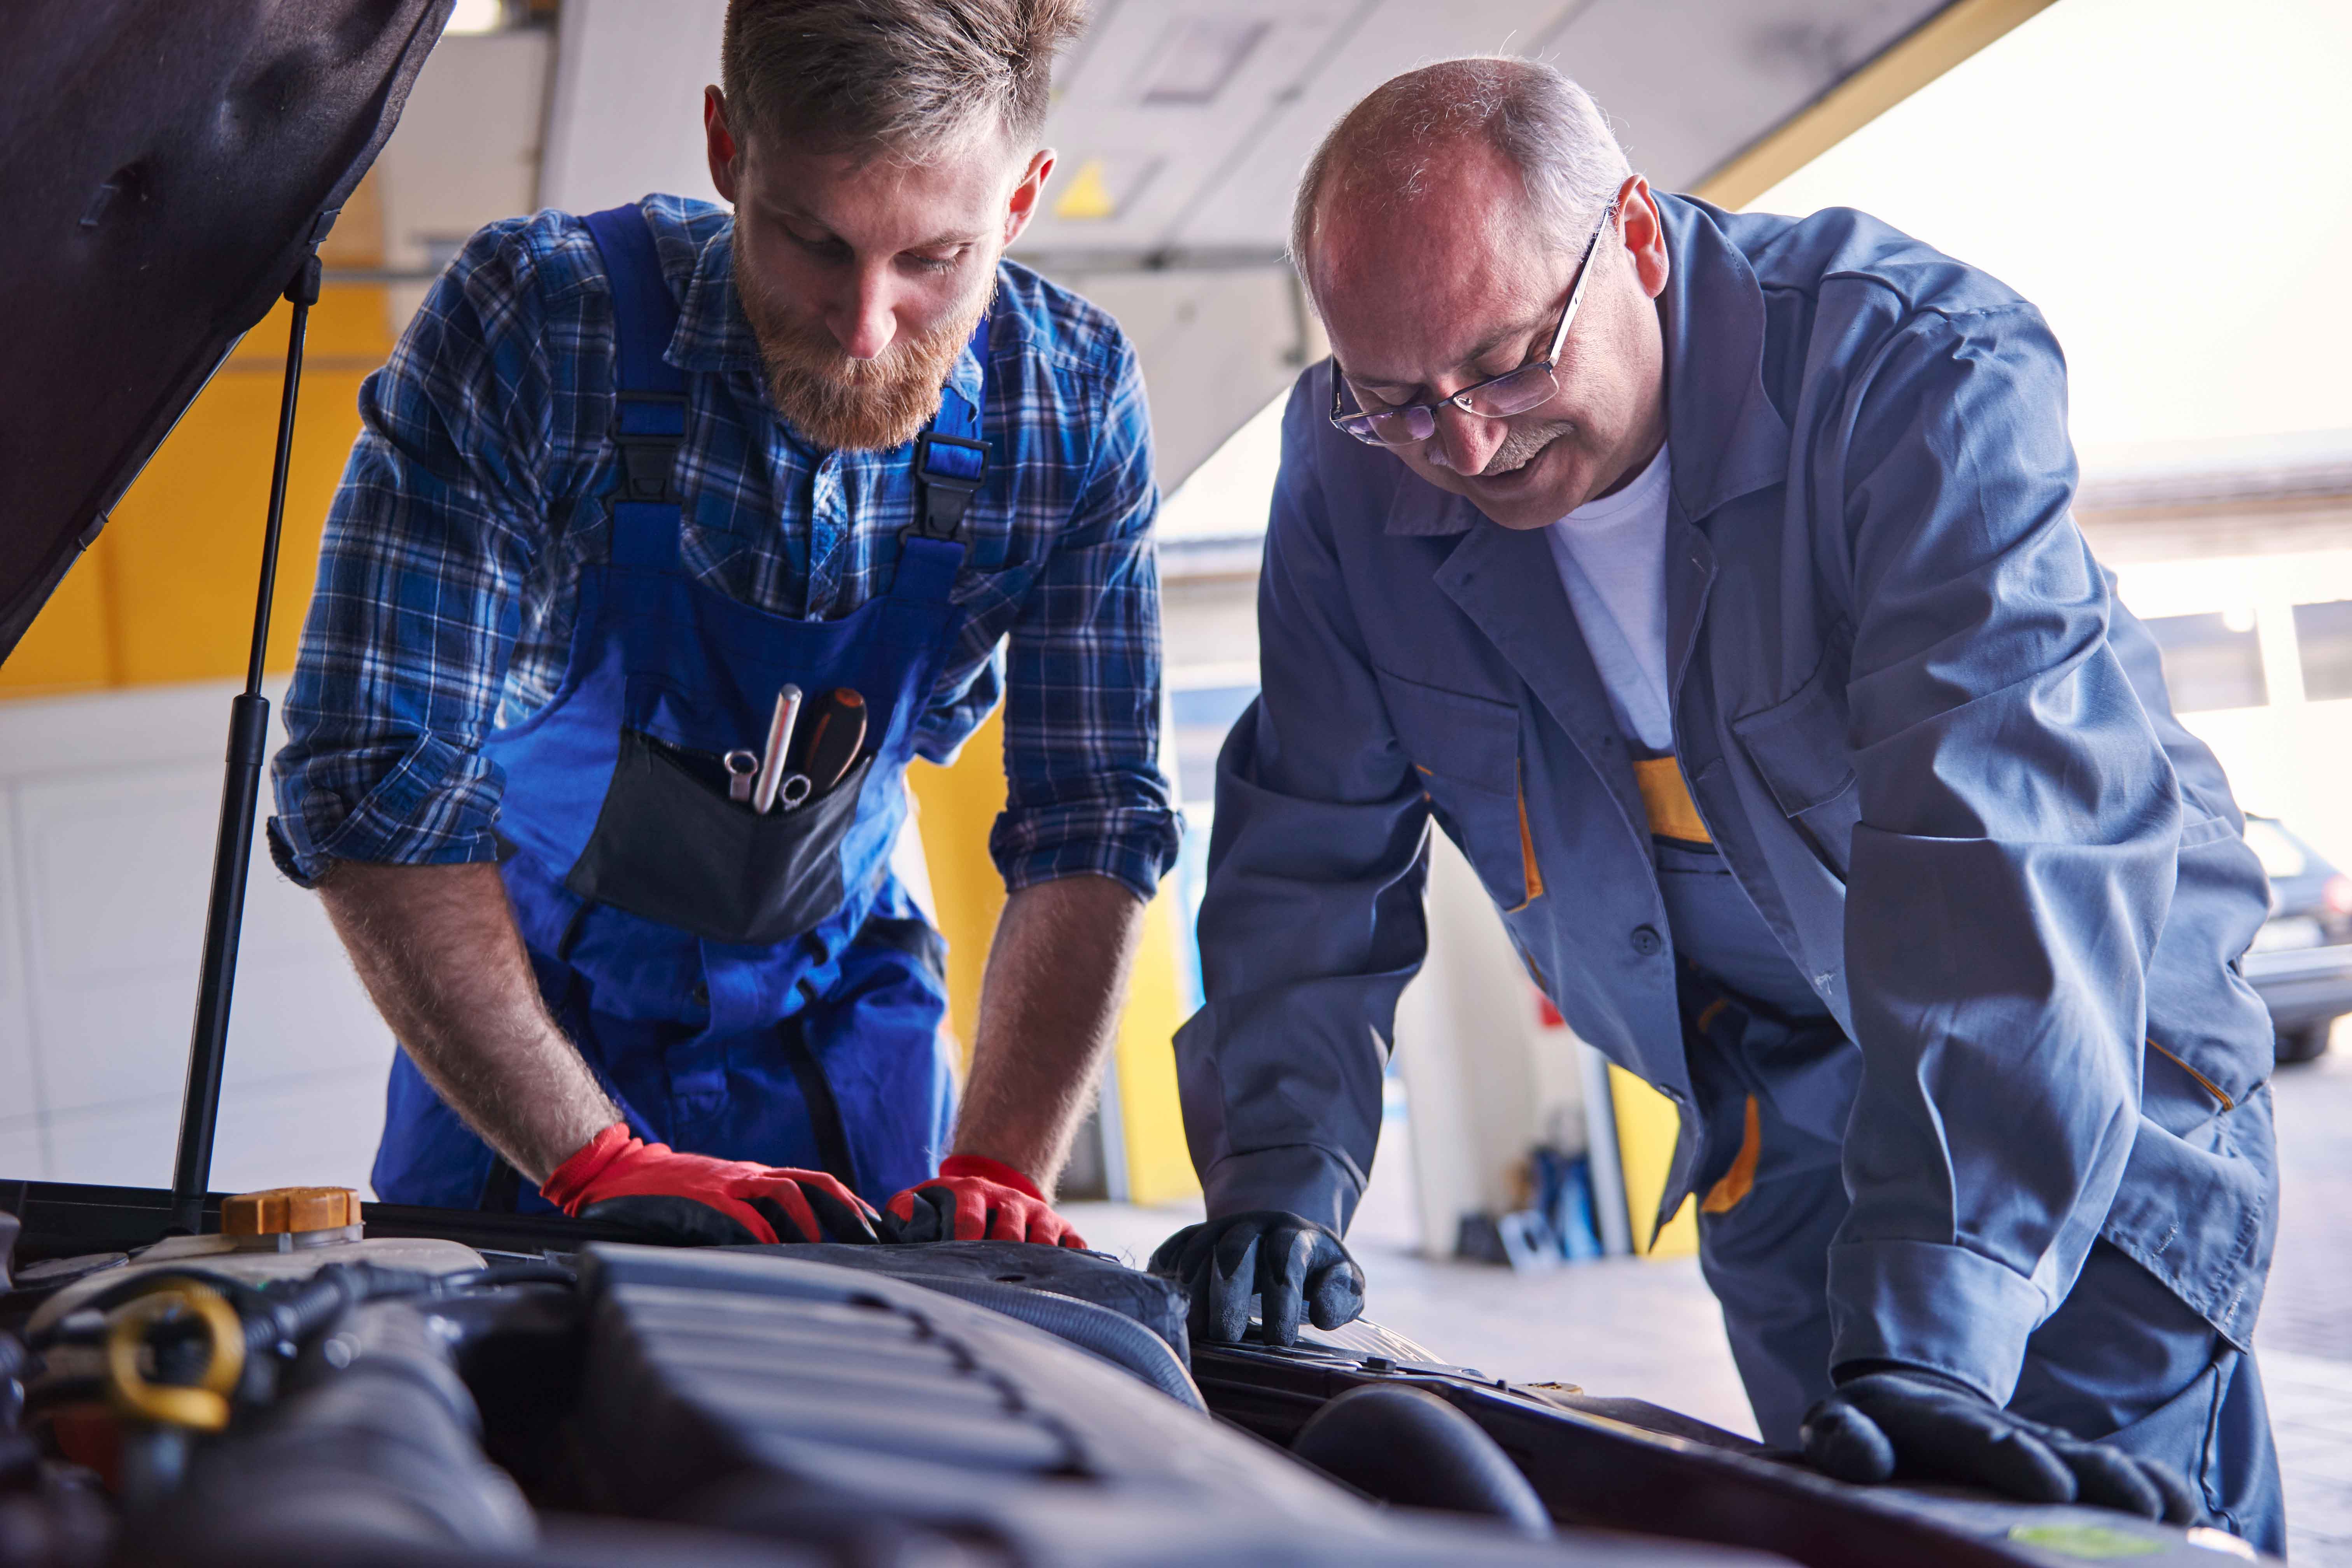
{"x":1651,"y":1329}
{"x":2305,"y":1340}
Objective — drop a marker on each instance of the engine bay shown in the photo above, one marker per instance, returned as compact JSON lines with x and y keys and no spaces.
{"x":375,"y":1393}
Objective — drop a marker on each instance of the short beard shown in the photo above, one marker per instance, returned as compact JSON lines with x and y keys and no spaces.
{"x":844,"y":404}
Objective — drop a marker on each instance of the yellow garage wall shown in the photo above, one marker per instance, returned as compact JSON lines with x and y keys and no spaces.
{"x":188,"y":536}
{"x":955,"y":808}
{"x":166,"y":593}
{"x":66,"y":648}
{"x":1646,"y":1127}
{"x":1159,"y":1162}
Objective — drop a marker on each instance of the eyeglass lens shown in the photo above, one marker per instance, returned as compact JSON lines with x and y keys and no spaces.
{"x":1516,"y":392}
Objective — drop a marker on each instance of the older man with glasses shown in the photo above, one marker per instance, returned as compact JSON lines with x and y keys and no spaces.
{"x":1709,"y":579}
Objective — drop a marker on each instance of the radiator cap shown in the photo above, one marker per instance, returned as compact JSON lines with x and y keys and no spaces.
{"x":284,"y":1211}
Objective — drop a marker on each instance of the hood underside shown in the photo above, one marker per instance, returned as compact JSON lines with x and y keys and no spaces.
{"x":168,"y":167}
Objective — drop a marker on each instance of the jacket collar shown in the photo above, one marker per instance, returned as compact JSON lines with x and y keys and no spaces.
{"x":1726,"y":437}
{"x":713,"y":334}
{"x":1419,"y":508}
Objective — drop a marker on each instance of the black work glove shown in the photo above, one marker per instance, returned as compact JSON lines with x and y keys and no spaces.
{"x":1921,"y":1426}
{"x":1298,"y":1268}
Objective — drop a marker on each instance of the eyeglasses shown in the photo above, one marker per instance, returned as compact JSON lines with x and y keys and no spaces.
{"x":1513,"y":391}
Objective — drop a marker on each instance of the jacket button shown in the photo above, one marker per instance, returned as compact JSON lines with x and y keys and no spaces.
{"x":1646,"y":940}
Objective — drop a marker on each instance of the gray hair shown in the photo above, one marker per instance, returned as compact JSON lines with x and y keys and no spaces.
{"x":1387,"y":147}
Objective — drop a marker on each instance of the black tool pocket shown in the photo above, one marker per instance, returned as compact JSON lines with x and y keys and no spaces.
{"x":669,"y":846}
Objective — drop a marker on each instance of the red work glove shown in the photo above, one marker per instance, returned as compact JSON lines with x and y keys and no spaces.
{"x":699,"y":1201}
{"x":978,"y":1199}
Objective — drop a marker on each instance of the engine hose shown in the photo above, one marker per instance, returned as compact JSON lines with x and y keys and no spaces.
{"x":1408,"y":1447}
{"x":1122,"y":1342}
{"x":376,"y":1447}
{"x":238,"y":1293}
{"x":288,"y":1312}
{"x":534,"y":1272}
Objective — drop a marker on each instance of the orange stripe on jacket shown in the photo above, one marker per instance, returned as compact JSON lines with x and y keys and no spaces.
{"x":1666,"y":796}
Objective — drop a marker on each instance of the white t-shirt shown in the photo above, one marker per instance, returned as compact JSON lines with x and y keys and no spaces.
{"x":1612,"y":554}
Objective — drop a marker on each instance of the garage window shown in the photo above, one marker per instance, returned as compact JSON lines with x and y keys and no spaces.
{"x":2323,"y":635}
{"x":2209,"y":663}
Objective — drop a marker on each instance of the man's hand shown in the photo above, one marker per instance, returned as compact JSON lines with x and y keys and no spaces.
{"x":1921,"y":1426}
{"x":1297,"y":1269}
{"x":977,"y":1199}
{"x":695,"y":1199}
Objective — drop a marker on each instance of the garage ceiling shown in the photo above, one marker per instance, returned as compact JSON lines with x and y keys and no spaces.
{"x":1181,"y":126}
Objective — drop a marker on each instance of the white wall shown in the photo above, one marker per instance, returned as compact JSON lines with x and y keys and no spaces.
{"x":626,"y":116}
{"x":2290,"y":757}
{"x":108,"y":806}
{"x":468,"y":147}
{"x":2093,"y":160}
{"x":466,"y":152}
{"x":1485,"y":1077}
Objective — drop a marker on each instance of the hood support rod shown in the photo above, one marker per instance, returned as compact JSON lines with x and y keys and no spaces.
{"x":248,"y":745}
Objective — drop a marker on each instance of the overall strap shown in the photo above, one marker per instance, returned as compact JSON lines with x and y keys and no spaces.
{"x":950,"y":465}
{"x":649,"y":406}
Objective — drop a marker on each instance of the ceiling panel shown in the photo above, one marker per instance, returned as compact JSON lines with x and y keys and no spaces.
{"x":1209,"y":168}
{"x":1181,"y":126}
{"x":1690,"y":82}
{"x":1250,"y":204}
{"x":1166,"y":97}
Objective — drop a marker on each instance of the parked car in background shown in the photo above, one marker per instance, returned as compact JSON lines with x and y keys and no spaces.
{"x":2301,"y":962}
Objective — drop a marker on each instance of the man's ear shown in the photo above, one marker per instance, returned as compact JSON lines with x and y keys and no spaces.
{"x":719,"y":141}
{"x":1023,"y":206}
{"x":1644,"y":234}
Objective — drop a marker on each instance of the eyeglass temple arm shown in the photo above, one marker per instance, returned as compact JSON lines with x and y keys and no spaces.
{"x":1583,"y":275}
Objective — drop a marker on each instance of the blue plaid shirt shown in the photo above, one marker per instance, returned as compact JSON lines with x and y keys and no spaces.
{"x":476,"y":493}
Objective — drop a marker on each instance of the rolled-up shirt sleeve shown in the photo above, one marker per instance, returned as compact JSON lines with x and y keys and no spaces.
{"x":2012,"y":866}
{"x":1084,"y":795}
{"x":1313,"y":921}
{"x":432,"y":532}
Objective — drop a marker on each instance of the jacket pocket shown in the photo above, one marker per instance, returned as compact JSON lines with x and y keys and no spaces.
{"x":1466,"y":751}
{"x":2210,"y":1035}
{"x":1798,"y":746}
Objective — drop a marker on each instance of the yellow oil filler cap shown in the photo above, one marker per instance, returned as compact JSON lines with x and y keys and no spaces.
{"x":280,"y":1219}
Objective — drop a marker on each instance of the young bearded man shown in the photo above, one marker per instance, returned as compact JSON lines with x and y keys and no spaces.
{"x":628,"y":478}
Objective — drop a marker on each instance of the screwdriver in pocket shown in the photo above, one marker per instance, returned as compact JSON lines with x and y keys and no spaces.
{"x":779,"y":740}
{"x":835,"y":739}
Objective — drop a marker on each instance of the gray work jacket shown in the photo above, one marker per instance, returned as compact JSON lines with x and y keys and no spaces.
{"x":1927,"y":742}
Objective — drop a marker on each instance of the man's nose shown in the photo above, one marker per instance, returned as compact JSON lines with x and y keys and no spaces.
{"x":867,"y":321}
{"x":1467,"y":441}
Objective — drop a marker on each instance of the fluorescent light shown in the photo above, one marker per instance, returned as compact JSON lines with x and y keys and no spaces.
{"x":476,"y":16}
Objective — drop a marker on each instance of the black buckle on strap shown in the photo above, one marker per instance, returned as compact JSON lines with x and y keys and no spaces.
{"x":943,"y":496}
{"x":648,"y":461}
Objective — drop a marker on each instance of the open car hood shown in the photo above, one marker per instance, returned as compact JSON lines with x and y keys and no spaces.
{"x":167,"y":167}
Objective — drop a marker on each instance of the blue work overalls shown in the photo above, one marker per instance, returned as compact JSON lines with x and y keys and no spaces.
{"x":756,"y":987}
